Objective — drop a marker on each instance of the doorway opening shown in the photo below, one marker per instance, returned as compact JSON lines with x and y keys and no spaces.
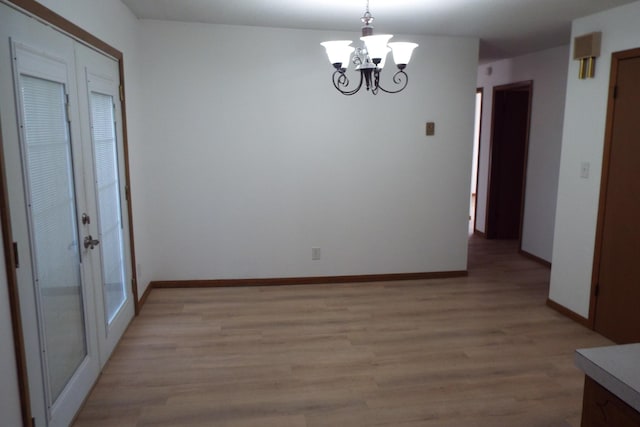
{"x":508,"y":160}
{"x":473,"y":204}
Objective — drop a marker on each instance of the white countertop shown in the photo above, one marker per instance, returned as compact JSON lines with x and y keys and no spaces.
{"x":616,"y":368}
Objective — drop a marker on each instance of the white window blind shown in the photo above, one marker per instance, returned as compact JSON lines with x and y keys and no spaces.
{"x":108,"y":195}
{"x":51,"y":198}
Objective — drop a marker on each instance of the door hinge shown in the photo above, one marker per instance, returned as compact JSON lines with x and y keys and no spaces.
{"x":597,"y":291}
{"x":615,"y":92}
{"x":126,"y":193}
{"x":66,"y":104}
{"x":33,"y":421}
{"x":121,"y":93}
{"x":16,"y":257}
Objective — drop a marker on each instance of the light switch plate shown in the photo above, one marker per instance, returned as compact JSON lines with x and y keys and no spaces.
{"x":584,"y":170}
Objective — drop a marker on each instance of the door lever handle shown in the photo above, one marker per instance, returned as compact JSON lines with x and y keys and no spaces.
{"x":90,"y":242}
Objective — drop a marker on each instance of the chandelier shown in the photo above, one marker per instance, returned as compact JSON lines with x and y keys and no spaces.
{"x":369,"y":59}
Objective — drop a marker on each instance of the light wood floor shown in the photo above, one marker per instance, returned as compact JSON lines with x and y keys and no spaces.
{"x":477,"y":351}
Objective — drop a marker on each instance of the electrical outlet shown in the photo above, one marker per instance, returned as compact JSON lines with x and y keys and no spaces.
{"x":315,"y":254}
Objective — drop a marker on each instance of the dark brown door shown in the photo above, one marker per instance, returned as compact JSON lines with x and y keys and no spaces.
{"x":618,"y":302}
{"x":508,"y":159}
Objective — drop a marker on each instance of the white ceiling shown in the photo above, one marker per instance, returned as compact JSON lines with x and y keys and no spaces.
{"x":506,"y":27}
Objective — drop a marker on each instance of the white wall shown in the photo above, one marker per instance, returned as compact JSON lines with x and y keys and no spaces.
{"x":256,"y":158}
{"x":583,"y":141}
{"x":112,"y":22}
{"x":548,"y":70}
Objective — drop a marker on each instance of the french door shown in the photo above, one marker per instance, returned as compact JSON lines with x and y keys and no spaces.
{"x":62,"y":145}
{"x":99,"y":101}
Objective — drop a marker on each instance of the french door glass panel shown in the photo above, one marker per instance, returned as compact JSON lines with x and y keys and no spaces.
{"x":103,"y":135}
{"x":54,"y":232}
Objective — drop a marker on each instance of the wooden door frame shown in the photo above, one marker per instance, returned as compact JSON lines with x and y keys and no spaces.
{"x":523,"y":85}
{"x":43,"y":14}
{"x":479,"y":90}
{"x":616,"y":57}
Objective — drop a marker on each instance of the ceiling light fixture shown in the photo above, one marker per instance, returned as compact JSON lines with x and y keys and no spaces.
{"x":369,"y":60}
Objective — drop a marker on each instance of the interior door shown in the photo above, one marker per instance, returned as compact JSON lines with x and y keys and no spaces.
{"x":509,"y":141}
{"x":617,"y":315}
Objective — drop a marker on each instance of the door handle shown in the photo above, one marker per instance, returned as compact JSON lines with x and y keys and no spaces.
{"x":90,"y":242}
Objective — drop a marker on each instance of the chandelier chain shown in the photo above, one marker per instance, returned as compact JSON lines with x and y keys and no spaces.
{"x":367,"y":19}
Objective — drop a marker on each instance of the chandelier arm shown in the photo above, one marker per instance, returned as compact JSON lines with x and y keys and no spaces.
{"x":341,"y":81}
{"x":400,"y":78}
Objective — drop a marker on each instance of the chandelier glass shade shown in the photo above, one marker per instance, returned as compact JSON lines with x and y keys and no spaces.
{"x":369,"y":60}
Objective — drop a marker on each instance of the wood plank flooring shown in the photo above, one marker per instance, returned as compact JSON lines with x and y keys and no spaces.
{"x":483,"y":350}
